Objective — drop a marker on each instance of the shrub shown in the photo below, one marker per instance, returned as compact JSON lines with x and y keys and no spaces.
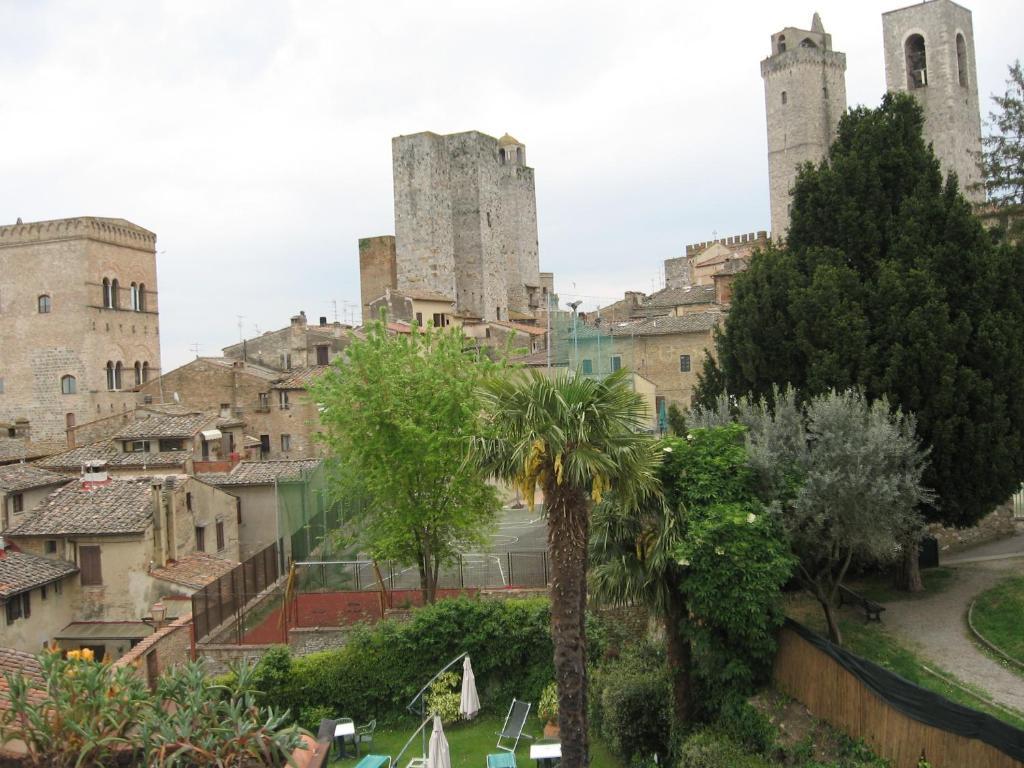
{"x":745,"y":725}
{"x":634,"y":710}
{"x":310,"y":717}
{"x":383,"y":666}
{"x":710,"y":749}
{"x":445,"y":696}
{"x":547,"y":707}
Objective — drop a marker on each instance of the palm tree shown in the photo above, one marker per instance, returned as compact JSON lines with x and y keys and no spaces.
{"x":577,"y":439}
{"x":635,"y":562}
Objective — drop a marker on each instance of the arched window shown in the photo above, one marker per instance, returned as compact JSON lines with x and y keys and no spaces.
{"x":145,"y":372}
{"x":138,"y":373}
{"x":784,"y":98}
{"x":68,"y":385}
{"x":808,"y":43}
{"x":782,"y":43}
{"x":115,"y":291}
{"x":961,"y":59}
{"x":142,"y":297}
{"x":110,"y":376}
{"x":917,"y":62}
{"x":118,"y":370}
{"x":44,"y":304}
{"x":134,"y":292}
{"x":107,"y":300}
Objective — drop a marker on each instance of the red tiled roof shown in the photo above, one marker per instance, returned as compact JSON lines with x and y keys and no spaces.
{"x":301,"y":377}
{"x":195,"y":570}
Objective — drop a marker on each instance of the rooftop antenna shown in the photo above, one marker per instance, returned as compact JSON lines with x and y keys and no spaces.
{"x":334,"y":303}
{"x":195,"y":348}
{"x":241,"y":336}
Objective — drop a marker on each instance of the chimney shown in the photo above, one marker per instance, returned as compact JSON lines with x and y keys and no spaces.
{"x":156,"y":489}
{"x":94,"y":475}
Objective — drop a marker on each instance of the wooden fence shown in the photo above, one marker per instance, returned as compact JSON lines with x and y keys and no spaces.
{"x":834,"y":694}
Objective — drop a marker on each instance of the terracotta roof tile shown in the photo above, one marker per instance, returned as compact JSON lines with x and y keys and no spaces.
{"x":22,"y":477}
{"x":262,"y":472}
{"x":165,"y":426}
{"x":301,"y":377}
{"x":20,"y":571}
{"x":19,"y":661}
{"x":674,"y":297}
{"x":122,"y":506}
{"x":695,"y":322}
{"x":196,"y":570}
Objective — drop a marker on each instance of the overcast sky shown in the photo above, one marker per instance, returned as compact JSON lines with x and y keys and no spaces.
{"x":255,"y":137}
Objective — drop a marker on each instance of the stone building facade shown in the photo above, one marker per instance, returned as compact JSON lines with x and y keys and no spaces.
{"x":466,"y":222}
{"x":378,"y":271}
{"x":805,"y":95}
{"x":79,"y":321}
{"x":298,"y":345}
{"x":929,"y":51}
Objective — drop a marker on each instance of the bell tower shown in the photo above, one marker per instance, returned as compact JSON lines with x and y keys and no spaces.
{"x":929,"y":51}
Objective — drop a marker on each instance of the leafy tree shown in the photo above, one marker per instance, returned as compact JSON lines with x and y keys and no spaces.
{"x":399,"y":415}
{"x":1002,"y":160}
{"x":676,"y":420}
{"x":889,"y":284}
{"x":847,"y":480}
{"x":576,"y":439}
{"x":705,"y":559}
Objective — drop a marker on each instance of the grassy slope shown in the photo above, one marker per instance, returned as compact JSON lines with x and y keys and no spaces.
{"x":999,"y":616}
{"x":470,"y":743}
{"x":872,"y":641}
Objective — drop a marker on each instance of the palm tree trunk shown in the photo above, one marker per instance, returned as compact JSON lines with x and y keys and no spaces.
{"x":677,"y":649}
{"x":568,"y":511}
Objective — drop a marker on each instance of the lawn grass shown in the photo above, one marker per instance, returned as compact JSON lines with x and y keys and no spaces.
{"x":879,"y":586}
{"x":998,"y":614}
{"x":469,"y":744}
{"x":872,"y":641}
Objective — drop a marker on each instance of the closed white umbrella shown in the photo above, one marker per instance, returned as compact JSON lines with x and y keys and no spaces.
{"x":437,"y":751}
{"x":469,"y":703}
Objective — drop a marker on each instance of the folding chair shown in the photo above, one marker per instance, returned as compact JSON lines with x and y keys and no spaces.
{"x":515,"y":721}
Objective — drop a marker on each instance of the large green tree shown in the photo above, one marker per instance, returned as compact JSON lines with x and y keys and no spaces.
{"x":888,"y":283}
{"x":1002,"y":160}
{"x":575,"y":439}
{"x":399,"y":414}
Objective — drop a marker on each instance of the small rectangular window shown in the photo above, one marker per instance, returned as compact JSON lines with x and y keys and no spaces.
{"x":90,"y":565}
{"x":616,"y":362}
{"x":286,"y":443}
{"x":17,"y":502}
{"x":684,"y":363}
{"x":200,"y":539}
{"x":220,"y":536}
{"x":51,"y":546}
{"x":238,"y":510}
{"x":419,"y":319}
{"x":13,"y":609}
{"x":170,"y":445}
{"x":588,"y":366}
{"x":264,"y":401}
{"x":282,"y":399}
{"x":188,"y":501}
{"x":264,"y":446}
{"x":42,"y":592}
{"x":225,"y":410}
{"x":322,"y":353}
{"x":136,"y":446}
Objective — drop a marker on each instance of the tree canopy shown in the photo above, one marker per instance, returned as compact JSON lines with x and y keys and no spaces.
{"x":1002,"y":161}
{"x":887,"y":283}
{"x":399,"y":415}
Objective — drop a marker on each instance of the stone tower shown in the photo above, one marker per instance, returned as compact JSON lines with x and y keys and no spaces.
{"x":79,"y":321}
{"x":804,"y":95}
{"x":466,"y":222}
{"x":929,"y":51}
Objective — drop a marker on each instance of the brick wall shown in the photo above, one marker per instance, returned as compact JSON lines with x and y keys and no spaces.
{"x":168,"y":646}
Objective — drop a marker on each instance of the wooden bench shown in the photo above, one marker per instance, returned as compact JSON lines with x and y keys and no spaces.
{"x":872,"y":610}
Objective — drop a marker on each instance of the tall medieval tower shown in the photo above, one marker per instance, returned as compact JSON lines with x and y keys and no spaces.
{"x":466,"y":222}
{"x":804,"y":95}
{"x":929,"y":51}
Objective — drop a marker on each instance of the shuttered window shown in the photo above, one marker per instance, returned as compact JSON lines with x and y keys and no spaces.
{"x":200,"y":539}
{"x":89,"y":563}
{"x":220,"y":536}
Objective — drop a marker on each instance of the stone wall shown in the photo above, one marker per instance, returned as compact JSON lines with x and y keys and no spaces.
{"x":378,"y":270}
{"x":952,"y":118}
{"x":996,"y":525}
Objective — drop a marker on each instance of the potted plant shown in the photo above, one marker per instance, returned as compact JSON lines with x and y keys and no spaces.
{"x":547,"y":710}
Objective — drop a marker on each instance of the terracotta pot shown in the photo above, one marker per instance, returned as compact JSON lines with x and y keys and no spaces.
{"x":551,"y":731}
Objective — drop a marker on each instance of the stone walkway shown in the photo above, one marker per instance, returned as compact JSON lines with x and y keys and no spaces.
{"x":937,"y":625}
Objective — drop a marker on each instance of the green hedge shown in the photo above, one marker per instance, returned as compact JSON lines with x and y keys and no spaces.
{"x":384,"y":665}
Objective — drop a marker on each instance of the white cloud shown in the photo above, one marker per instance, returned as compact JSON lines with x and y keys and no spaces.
{"x":254,"y":138}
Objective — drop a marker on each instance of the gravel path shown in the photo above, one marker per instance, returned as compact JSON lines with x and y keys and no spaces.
{"x":937,"y":626}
